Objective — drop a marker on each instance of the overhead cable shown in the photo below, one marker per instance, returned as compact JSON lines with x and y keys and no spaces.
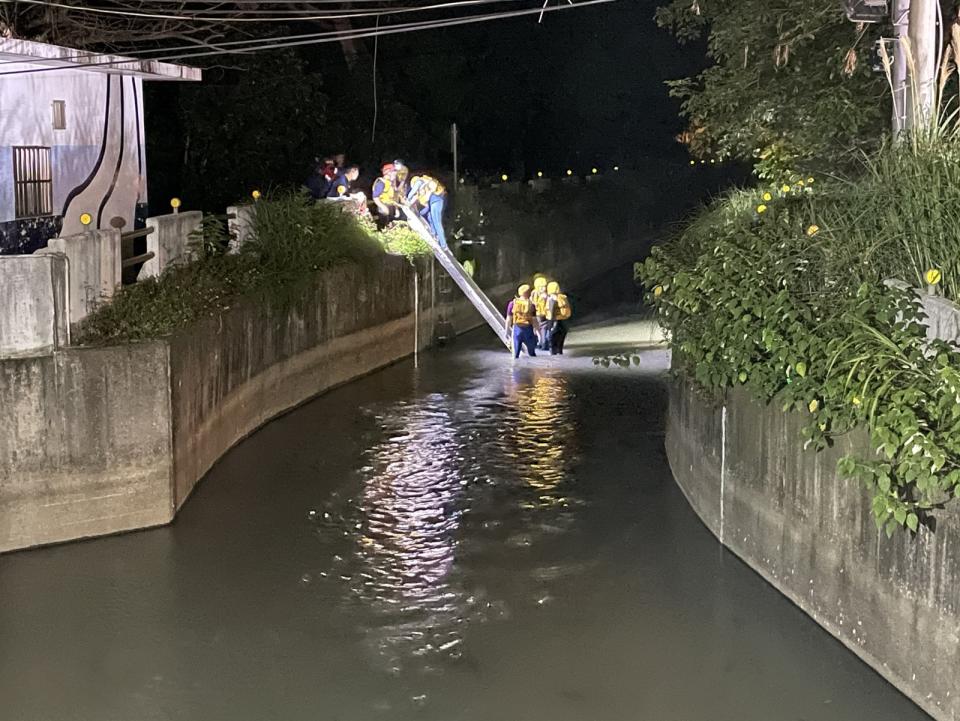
{"x":316,"y":38}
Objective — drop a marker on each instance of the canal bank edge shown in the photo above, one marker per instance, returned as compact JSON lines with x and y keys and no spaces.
{"x":781,"y":509}
{"x":103,"y":440}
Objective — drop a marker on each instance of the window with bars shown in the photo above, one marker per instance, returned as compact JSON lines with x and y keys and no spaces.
{"x":32,"y":182}
{"x":59,"y":114}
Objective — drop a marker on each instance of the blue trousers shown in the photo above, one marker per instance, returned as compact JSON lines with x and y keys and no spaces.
{"x":523,"y":336}
{"x":433,"y":214}
{"x":544,"y":333}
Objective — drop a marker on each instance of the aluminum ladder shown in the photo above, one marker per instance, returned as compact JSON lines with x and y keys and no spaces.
{"x":474,"y":294}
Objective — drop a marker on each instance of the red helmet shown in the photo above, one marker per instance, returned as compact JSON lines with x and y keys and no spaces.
{"x":387,"y":168}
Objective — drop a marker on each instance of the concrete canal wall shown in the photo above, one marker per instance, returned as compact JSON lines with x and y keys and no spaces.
{"x":103,"y":440}
{"x":894,"y":602}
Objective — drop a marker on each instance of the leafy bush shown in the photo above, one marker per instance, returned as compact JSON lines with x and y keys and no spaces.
{"x":397,"y":238}
{"x":293,"y":239}
{"x":780,"y":290}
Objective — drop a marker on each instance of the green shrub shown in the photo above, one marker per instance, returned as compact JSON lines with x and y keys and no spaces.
{"x":293,"y":239}
{"x":780,"y":290}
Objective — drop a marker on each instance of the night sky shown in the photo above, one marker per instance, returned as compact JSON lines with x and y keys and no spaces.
{"x":584,"y":88}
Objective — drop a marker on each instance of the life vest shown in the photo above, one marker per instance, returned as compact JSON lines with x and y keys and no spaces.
{"x":562,"y":309}
{"x":539,"y":299}
{"x":389,"y":194}
{"x":522,"y":309}
{"x":428,"y":188}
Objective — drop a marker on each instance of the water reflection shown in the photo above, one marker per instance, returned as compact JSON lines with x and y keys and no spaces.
{"x":544,"y":437}
{"x":449,"y":481}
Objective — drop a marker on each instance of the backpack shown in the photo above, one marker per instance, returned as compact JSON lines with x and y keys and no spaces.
{"x":563,"y":310}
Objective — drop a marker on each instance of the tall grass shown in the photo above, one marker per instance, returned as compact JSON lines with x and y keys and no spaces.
{"x":901,"y":217}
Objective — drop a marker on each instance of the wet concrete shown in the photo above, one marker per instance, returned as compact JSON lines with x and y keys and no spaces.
{"x":468,"y":540}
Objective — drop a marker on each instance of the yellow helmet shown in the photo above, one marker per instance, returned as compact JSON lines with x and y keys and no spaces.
{"x":553,"y":287}
{"x":523,"y":289}
{"x":540,"y":282}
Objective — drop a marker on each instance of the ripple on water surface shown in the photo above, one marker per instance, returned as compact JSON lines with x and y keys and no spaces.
{"x":447,"y":482}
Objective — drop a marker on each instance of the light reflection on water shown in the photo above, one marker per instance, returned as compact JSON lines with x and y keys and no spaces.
{"x":448,"y":481}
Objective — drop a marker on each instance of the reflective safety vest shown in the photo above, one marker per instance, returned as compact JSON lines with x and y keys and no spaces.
{"x":539,"y":299}
{"x":388,"y":194}
{"x":561,"y":308}
{"x":428,"y":187}
{"x":522,"y":310}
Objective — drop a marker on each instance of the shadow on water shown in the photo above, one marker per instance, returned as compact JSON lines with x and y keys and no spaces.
{"x":473,"y":540}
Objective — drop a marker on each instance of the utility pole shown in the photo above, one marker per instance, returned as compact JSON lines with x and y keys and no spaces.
{"x":900,"y":16}
{"x":923,"y":43}
{"x":453,"y":146}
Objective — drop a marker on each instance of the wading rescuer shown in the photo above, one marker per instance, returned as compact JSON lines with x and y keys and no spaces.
{"x":429,"y":196}
{"x":521,"y":316}
{"x":539,"y":298}
{"x":558,"y":313}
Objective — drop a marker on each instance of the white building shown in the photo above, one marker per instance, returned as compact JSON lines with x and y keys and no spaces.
{"x":71,"y":140}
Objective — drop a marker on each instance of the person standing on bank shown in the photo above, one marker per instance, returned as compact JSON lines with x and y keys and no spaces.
{"x":521,"y":315}
{"x":558,"y":313}
{"x":430,"y":197}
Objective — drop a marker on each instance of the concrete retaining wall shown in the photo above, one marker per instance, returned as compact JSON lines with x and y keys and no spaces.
{"x":233,"y":374}
{"x":33,"y":299}
{"x":85,"y":448}
{"x":894,"y":602}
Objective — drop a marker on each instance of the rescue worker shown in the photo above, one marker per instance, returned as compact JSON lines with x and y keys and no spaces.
{"x":539,"y":298}
{"x":402,"y":182}
{"x":331,"y":168}
{"x":558,"y":313}
{"x":340,"y":185}
{"x":318,"y":183}
{"x":521,"y":315}
{"x":385,"y":195}
{"x":430,"y":197}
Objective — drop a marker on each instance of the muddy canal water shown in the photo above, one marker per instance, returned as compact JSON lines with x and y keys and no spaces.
{"x":468,"y":540}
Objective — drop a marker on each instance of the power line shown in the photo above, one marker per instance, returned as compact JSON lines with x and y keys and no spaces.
{"x":319,"y":38}
{"x":229,"y":43}
{"x":318,"y":15}
{"x":251,"y":2}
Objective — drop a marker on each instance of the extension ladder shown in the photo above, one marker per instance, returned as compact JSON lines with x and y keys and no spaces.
{"x":474,"y":294}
